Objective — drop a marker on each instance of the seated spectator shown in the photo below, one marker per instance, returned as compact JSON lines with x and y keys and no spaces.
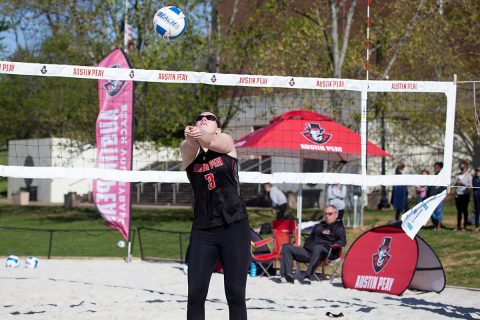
{"x":279,"y":200}
{"x":327,"y":232}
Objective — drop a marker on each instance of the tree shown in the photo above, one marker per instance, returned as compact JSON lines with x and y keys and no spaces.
{"x":440,"y":41}
{"x":424,"y":40}
{"x":81,"y":33}
{"x":3,"y":27}
{"x":336,"y":27}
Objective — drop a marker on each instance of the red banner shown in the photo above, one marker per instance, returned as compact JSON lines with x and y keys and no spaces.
{"x":114,"y":144}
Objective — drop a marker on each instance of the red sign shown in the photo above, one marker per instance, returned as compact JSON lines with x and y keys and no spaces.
{"x":381,"y":260}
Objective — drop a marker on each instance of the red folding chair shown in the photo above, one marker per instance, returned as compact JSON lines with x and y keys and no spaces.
{"x":283,"y":232}
{"x":334,"y":260}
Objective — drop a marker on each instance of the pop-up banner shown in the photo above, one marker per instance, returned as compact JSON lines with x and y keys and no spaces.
{"x":386,"y":260}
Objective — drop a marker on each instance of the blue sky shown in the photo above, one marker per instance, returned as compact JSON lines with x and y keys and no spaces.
{"x":9,"y":42}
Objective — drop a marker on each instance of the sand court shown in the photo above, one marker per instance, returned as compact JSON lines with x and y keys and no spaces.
{"x":113,"y":289}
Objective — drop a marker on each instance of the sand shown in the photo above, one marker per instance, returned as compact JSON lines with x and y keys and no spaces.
{"x":114,"y":289}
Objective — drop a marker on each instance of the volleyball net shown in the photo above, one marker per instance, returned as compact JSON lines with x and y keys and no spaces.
{"x":297,"y":130}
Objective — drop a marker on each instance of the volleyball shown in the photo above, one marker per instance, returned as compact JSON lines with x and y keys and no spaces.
{"x":12,"y":262}
{"x":31,"y":263}
{"x":169,"y":22}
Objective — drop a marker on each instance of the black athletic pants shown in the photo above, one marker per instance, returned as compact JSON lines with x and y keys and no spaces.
{"x":280,"y":210}
{"x":461,"y":202}
{"x":291,"y":252}
{"x":231,"y":245}
{"x":477,"y":210}
{"x":399,"y":213}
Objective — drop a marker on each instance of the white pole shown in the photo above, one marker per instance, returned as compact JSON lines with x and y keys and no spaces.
{"x":363,"y":135}
{"x":299,"y":207}
{"x":129,"y":254}
{"x":355,"y":201}
{"x":125,"y":46}
{"x":299,"y":214}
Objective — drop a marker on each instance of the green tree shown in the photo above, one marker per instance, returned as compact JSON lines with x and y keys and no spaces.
{"x":422,"y":40}
{"x":3,"y":27}
{"x":441,"y":41}
{"x":76,"y":32}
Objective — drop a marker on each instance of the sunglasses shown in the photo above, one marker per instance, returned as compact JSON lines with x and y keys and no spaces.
{"x":210,"y":117}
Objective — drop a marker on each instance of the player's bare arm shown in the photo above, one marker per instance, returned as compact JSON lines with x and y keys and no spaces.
{"x":219,"y":142}
{"x":190,"y":147}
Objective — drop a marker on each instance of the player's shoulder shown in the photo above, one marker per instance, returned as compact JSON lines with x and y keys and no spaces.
{"x":226,"y":136}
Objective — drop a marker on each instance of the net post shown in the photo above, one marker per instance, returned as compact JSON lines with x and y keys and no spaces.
{"x":299,"y":213}
{"x":50,"y":241}
{"x":363,"y":144}
{"x":129,"y":252}
{"x":299,"y":206}
{"x":355,"y":212}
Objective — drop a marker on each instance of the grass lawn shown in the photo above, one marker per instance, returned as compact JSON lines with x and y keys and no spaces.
{"x":459,"y":252}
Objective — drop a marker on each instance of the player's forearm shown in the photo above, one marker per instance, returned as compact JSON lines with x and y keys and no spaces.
{"x":206,"y":140}
{"x":189,"y":144}
{"x":220,"y":142}
{"x":189,"y":148}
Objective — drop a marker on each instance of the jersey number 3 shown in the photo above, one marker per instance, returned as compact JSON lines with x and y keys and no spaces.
{"x":211,"y":180}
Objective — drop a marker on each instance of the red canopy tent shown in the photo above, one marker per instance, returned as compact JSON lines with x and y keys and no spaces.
{"x":305,"y":134}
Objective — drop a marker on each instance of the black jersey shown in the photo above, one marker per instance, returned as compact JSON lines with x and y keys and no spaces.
{"x":216,"y":190}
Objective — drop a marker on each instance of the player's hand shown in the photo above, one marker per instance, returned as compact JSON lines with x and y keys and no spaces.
{"x":192,"y":133}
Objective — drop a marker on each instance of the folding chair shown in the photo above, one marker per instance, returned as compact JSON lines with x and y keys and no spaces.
{"x":334,"y":260}
{"x":283,"y":232}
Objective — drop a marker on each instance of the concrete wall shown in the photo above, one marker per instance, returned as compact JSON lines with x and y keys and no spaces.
{"x":60,"y":152}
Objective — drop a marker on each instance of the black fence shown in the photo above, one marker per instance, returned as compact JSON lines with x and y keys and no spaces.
{"x":153,"y":244}
{"x":61,"y":242}
{"x":157,"y":244}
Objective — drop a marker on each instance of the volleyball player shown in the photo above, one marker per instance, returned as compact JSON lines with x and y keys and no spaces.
{"x":220,"y":229}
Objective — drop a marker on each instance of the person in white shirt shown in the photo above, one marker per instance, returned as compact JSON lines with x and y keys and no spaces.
{"x":278,"y":198}
{"x":336,"y":194}
{"x":463,"y":181}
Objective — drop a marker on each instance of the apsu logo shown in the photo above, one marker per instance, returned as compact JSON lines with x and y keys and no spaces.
{"x":381,"y":258}
{"x":114,"y":87}
{"x":316,"y":134}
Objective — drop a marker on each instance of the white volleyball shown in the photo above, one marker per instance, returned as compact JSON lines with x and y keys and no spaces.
{"x":31,"y":262}
{"x":12,"y":262}
{"x":169,"y":22}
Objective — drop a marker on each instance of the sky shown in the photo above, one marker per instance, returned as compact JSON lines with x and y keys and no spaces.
{"x":27,"y":37}
{"x":9,"y":42}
